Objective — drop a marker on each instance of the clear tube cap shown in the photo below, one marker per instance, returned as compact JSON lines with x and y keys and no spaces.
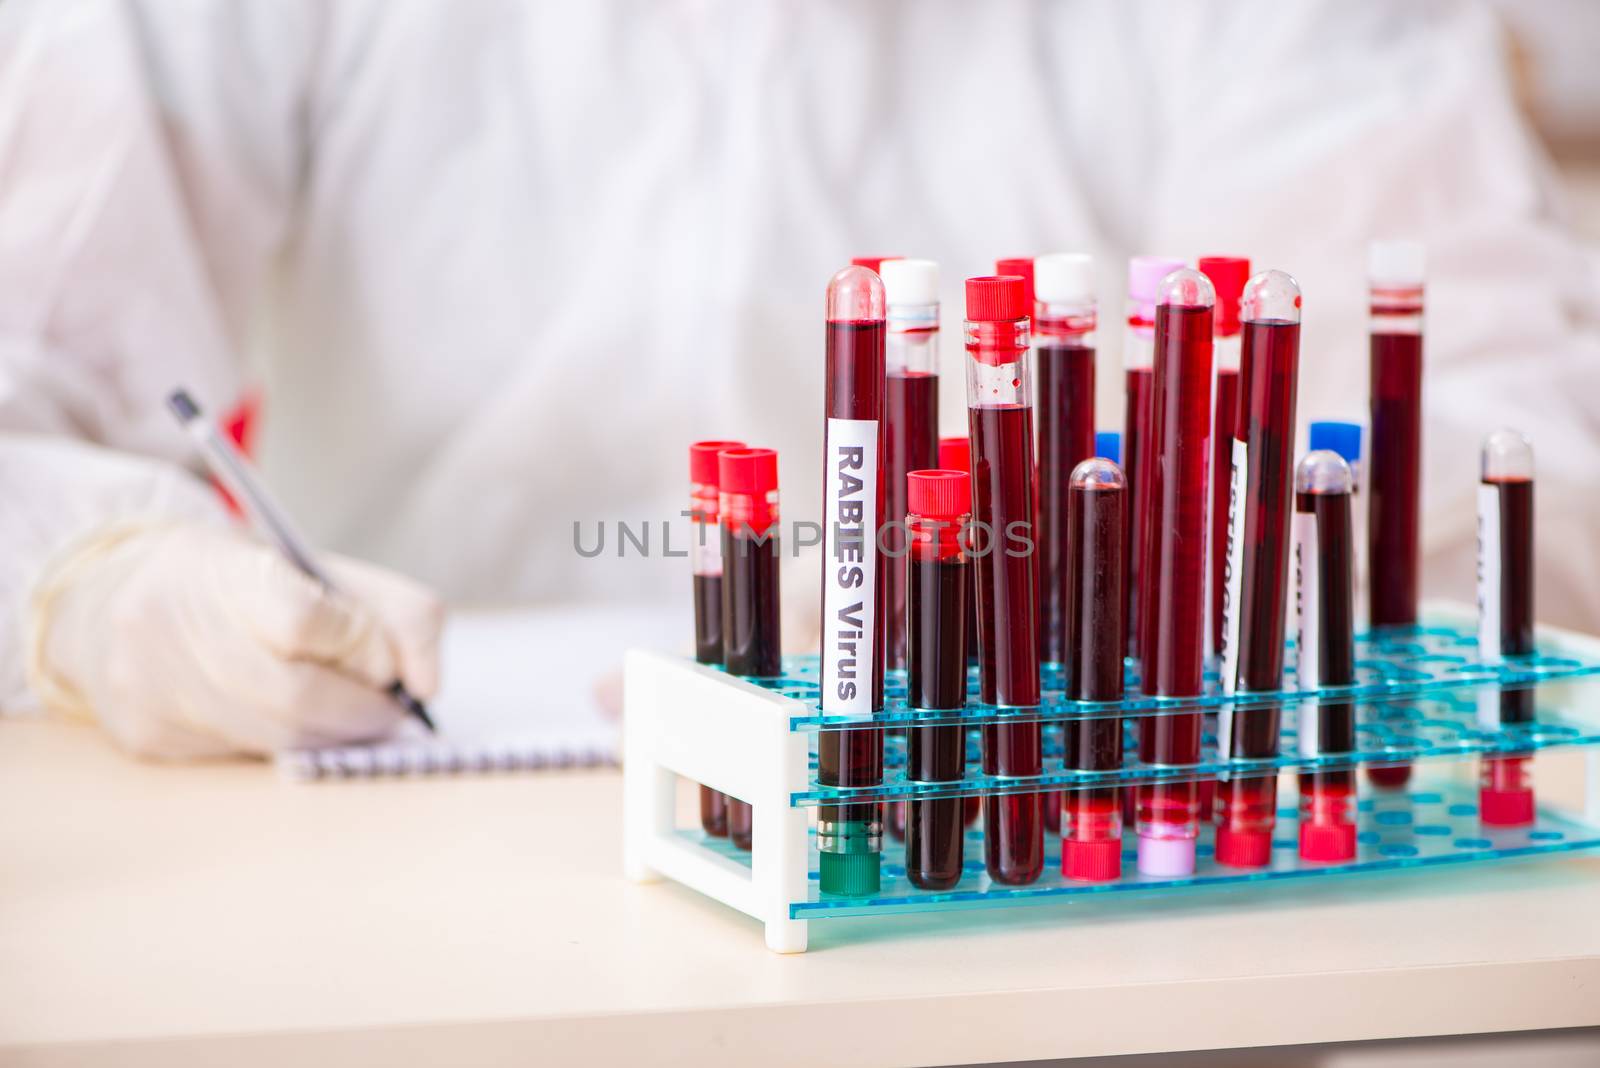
{"x":1271,"y":296}
{"x":1507,"y":454}
{"x":1186,"y":288}
{"x":1323,"y":471}
{"x":856,"y":295}
{"x":1098,"y":473}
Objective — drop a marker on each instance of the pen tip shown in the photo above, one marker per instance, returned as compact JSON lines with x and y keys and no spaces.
{"x":183,"y":405}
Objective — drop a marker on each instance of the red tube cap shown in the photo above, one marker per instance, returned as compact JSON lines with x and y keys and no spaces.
{"x":872,"y":263}
{"x":1228,"y":275}
{"x":1022,"y":267}
{"x":997,"y":299}
{"x":703,"y":460}
{"x":939,"y":494}
{"x":1328,"y":842}
{"x":1505,"y":808}
{"x":955,"y":454}
{"x":1092,"y":862}
{"x":752,"y":471}
{"x":1243,"y":849}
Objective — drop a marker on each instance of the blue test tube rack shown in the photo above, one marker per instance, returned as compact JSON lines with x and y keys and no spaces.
{"x":1416,"y":695}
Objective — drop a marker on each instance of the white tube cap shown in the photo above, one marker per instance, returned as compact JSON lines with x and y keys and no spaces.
{"x":910,"y":281}
{"x":1063,"y":278}
{"x":1395,"y":263}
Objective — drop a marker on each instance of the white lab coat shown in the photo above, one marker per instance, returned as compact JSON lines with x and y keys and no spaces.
{"x":496,"y":264}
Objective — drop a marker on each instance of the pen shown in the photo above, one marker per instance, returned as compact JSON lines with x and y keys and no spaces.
{"x":230,"y":468}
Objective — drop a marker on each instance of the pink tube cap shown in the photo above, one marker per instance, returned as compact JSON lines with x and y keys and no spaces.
{"x":1167,"y":857}
{"x":1144,"y":280}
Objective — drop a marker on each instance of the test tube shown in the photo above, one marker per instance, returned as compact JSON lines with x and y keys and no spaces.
{"x":955,"y":454}
{"x":751,"y":641}
{"x":1108,"y":446}
{"x":705,"y":562}
{"x":911,"y":437}
{"x":1063,"y":359}
{"x":1173,"y":586}
{"x":1145,"y":274}
{"x":1228,"y":275}
{"x":936,"y":674}
{"x":1091,"y":826}
{"x":850,"y":837}
{"x":1000,"y":412}
{"x":1258,"y":561}
{"x":1505,"y":616}
{"x":1344,"y":438}
{"x":1325,"y":651}
{"x":1395,"y":275}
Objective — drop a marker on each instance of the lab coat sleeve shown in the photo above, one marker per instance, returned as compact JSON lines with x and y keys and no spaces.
{"x":134,"y":228}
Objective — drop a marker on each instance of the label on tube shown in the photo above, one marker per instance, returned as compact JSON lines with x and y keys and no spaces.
{"x":1233,"y":569}
{"x":1307,"y":635}
{"x":1489,"y":572}
{"x":705,"y":549}
{"x":1489,"y":599}
{"x":849,"y":592}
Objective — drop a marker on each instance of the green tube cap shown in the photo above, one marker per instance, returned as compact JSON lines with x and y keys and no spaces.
{"x":850,"y":874}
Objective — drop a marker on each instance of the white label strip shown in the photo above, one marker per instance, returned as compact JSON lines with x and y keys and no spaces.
{"x":1307,"y":626}
{"x":1233,"y":569}
{"x":850,"y":558}
{"x":705,"y":548}
{"x":1489,"y":607}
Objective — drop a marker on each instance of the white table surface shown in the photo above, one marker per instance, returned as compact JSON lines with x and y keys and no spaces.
{"x":218,"y":915}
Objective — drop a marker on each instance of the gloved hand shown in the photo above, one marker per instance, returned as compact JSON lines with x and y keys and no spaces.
{"x":190,"y":641}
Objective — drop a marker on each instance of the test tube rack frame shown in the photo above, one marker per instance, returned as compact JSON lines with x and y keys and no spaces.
{"x":754,"y":740}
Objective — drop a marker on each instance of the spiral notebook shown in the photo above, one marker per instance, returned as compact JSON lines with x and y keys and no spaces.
{"x":521,"y":691}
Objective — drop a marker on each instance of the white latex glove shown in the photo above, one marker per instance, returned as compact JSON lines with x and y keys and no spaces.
{"x":188,"y":641}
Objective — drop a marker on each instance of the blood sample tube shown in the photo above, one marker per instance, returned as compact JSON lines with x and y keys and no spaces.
{"x":1228,"y":275}
{"x":1022,"y":267}
{"x":872,"y":263}
{"x":911,"y":438}
{"x":751,"y":641}
{"x":955,"y":454}
{"x":705,"y":561}
{"x":1063,"y":359}
{"x":1108,"y":446}
{"x":1344,"y":438}
{"x":1257,"y":572}
{"x":1173,"y":590}
{"x":850,"y":837}
{"x":936,"y":674}
{"x":1000,"y":410}
{"x":1091,"y":827}
{"x":1395,"y":274}
{"x":1505,"y":616}
{"x":1325,"y":643}
{"x":1138,"y":359}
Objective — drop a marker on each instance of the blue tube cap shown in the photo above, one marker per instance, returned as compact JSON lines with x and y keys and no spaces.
{"x":1342,"y":438}
{"x":1108,"y":443}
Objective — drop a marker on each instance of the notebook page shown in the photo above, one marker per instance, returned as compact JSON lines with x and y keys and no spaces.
{"x":518,"y":692}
